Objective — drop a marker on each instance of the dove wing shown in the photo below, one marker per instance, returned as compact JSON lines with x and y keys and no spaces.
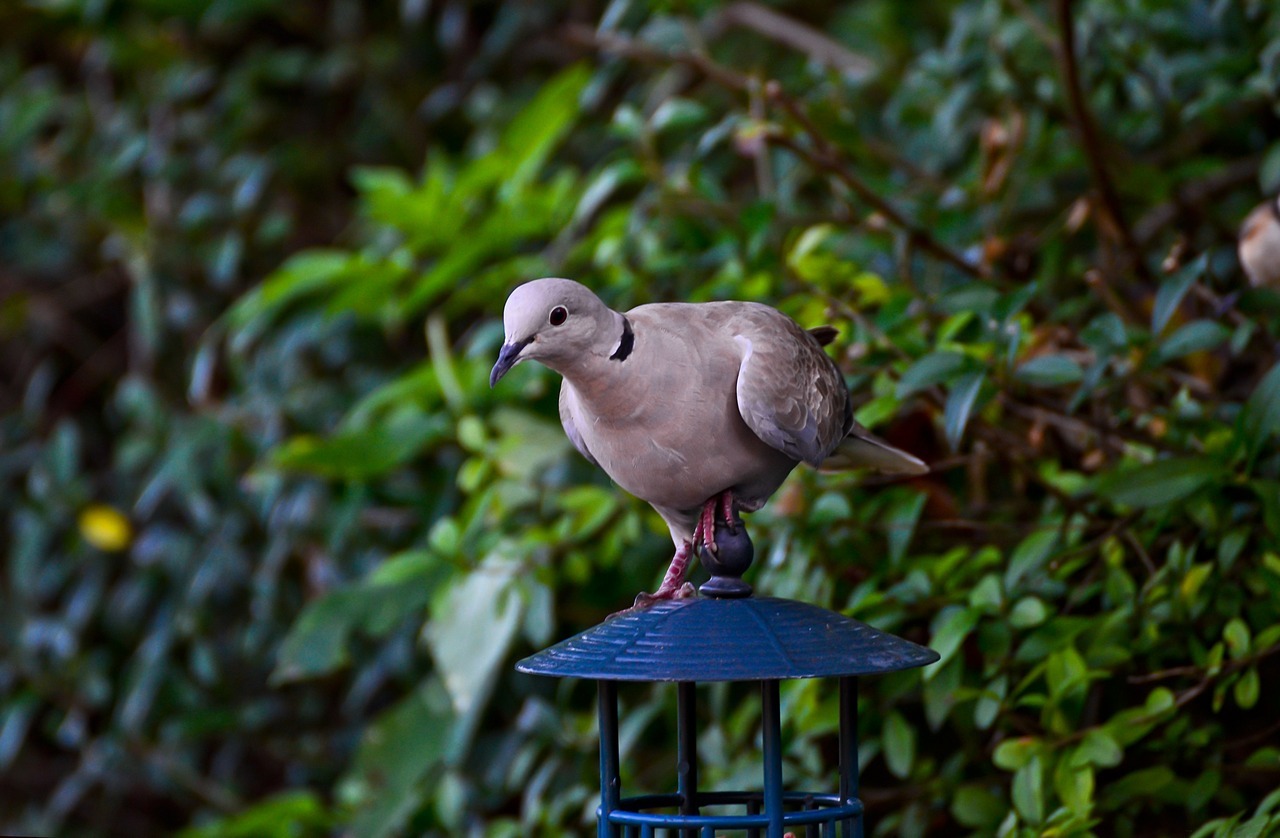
{"x":789,"y":392}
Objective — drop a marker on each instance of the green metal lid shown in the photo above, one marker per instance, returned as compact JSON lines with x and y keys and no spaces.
{"x":707,"y":639}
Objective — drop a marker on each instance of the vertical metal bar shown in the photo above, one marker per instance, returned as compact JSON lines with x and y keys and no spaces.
{"x":610,"y":779}
{"x":753,"y":808}
{"x":849,"y":752}
{"x":687,"y":751}
{"x":771,"y":718}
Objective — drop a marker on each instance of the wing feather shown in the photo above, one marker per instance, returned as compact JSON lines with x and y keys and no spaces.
{"x":789,"y":392}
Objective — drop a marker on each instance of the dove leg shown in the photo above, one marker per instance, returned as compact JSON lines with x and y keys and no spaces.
{"x":672,"y":582}
{"x":673,"y":585}
{"x":704,"y":534}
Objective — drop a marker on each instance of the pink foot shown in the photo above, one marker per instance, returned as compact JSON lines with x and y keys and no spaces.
{"x":726,"y":509}
{"x":705,"y":533}
{"x":673,"y":585}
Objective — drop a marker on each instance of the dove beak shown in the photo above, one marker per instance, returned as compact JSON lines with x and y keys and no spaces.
{"x":507,"y":358}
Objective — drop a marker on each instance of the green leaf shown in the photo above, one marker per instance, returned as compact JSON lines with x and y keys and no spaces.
{"x":899,"y":745}
{"x":676,"y":113}
{"x":1029,"y":612}
{"x":1012,"y":754}
{"x":1203,"y":790}
{"x":964,"y":393}
{"x":1159,"y":701}
{"x":1172,"y":290}
{"x":1261,"y":416}
{"x":603,"y":186}
{"x":1105,"y":334}
{"x":1145,"y":783}
{"x":303,"y":274}
{"x":1247,"y":688}
{"x":403,"y":747}
{"x":1269,"y":804}
{"x":988,"y":705}
{"x":1028,"y":791}
{"x":977,"y":808}
{"x":466,"y":658}
{"x":1196,"y":336}
{"x":901,"y":521}
{"x":364,"y":453}
{"x":934,"y":368}
{"x":1028,"y":557}
{"x":539,"y":127}
{"x":1195,"y":578}
{"x":1065,"y":672}
{"x":987,"y":596}
{"x":1236,"y":633}
{"x":285,"y":815}
{"x":941,"y":692}
{"x":952,"y":625}
{"x":317,"y":642}
{"x":1098,"y":748}
{"x":1074,"y":784}
{"x":1269,"y":171}
{"x":1049,"y":371}
{"x":1159,"y":483}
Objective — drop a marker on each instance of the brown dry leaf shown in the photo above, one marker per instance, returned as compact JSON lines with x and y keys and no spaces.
{"x":999,"y":142}
{"x":1077,"y":215}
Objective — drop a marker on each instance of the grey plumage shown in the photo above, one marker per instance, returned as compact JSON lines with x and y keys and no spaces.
{"x":710,"y":397}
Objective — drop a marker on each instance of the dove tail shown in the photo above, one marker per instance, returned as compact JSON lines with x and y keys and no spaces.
{"x":862,"y":450}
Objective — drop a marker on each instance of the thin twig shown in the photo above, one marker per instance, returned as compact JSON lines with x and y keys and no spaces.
{"x":613,"y":43}
{"x":1090,"y":139}
{"x":1071,"y":426}
{"x":1193,"y":197}
{"x":814,"y":43}
{"x":1164,"y":674}
{"x":822,"y":154}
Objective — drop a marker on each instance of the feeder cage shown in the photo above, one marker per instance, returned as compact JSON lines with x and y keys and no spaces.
{"x":728,"y":635}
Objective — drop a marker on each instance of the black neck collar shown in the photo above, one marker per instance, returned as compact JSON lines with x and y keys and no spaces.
{"x":625,"y":343}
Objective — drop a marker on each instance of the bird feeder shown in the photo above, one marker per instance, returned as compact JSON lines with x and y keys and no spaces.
{"x":727,"y":634}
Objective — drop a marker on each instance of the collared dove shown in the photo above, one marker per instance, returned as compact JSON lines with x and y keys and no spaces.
{"x":1259,"y":244}
{"x":700,"y":409}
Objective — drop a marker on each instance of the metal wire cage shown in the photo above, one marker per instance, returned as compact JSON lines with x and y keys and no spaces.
{"x":742,"y":638}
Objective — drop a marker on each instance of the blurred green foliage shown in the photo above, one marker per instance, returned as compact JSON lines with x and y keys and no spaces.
{"x":273,"y":545}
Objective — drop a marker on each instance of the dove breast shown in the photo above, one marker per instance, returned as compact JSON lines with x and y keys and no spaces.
{"x":666,"y":423}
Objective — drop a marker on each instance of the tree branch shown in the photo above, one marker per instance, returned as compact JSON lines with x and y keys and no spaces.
{"x":827,"y":157}
{"x":822,"y":154}
{"x":1090,"y":139}
{"x":620,"y":45}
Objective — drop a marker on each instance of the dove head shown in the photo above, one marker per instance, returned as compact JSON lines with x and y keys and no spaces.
{"x":558,"y":322}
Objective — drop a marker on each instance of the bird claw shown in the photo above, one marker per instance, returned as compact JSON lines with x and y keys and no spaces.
{"x":644,"y":600}
{"x":726,"y":509}
{"x":685,"y":591}
{"x":704,"y":534}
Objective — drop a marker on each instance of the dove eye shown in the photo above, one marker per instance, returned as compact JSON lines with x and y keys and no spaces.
{"x":559,"y":314}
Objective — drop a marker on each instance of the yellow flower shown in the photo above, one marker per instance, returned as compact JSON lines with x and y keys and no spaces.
{"x":105,"y":527}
